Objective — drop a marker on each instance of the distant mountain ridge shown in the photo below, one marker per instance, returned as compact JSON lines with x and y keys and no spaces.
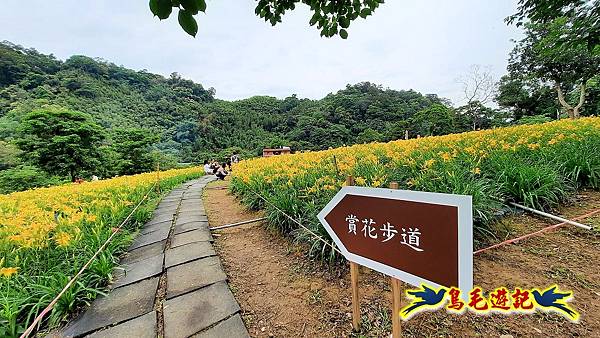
{"x":193,"y":124}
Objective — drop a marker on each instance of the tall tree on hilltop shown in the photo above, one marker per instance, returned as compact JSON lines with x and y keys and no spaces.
{"x":478,"y":88}
{"x":434,"y":120}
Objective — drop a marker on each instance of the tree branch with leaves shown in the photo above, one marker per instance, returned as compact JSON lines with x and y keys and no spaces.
{"x":561,"y":45}
{"x":542,"y":55}
{"x":331,"y":17}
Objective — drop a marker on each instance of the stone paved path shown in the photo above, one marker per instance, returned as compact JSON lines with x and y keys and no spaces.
{"x":171,"y":283}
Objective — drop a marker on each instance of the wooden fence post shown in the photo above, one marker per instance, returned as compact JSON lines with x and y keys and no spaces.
{"x":396,"y":295}
{"x":158,"y":175}
{"x":337,"y":170}
{"x":354,"y":272}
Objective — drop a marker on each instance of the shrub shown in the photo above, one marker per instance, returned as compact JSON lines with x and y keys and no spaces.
{"x":25,"y":177}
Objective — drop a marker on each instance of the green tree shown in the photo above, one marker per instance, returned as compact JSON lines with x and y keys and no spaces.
{"x":526,"y":96}
{"x":583,"y":14}
{"x":475,"y":116}
{"x":134,"y":146}
{"x":25,"y":177}
{"x":435,"y":120}
{"x":561,"y":46}
{"x":60,"y":141}
{"x":9,"y":155}
{"x":369,"y":135}
{"x":332,"y":17}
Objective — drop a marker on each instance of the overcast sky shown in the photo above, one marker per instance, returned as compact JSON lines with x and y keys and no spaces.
{"x":420,"y":44}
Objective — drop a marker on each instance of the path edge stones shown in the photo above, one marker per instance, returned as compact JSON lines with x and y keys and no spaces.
{"x":189,"y":296}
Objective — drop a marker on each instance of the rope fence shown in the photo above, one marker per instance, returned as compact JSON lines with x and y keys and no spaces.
{"x":297,"y":222}
{"x":535,"y":233}
{"x":503,"y":243}
{"x":49,"y":307}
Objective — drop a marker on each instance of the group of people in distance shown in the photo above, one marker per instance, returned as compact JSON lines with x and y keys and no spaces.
{"x":220,"y":170}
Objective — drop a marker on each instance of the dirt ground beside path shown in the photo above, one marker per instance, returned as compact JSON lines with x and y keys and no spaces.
{"x":284,"y":294}
{"x":278,"y":298}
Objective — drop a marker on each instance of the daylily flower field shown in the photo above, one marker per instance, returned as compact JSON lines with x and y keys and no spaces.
{"x":47,"y":235}
{"x":540,"y":166}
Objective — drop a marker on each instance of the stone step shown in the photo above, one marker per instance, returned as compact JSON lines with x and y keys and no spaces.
{"x":197,"y":301}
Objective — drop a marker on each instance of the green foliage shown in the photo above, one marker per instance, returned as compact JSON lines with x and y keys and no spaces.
{"x":536,"y":119}
{"x":161,"y":8}
{"x":526,"y":96}
{"x":9,"y":155}
{"x":164,"y":161}
{"x":583,"y":14}
{"x":434,"y":120}
{"x":544,"y":55}
{"x":369,"y":135}
{"x":25,"y":66}
{"x":25,"y":177}
{"x":331,"y":17}
{"x":61,"y":142}
{"x":187,"y":10}
{"x":475,"y":116}
{"x":363,"y":112}
{"x":187,"y":22}
{"x":133,"y":146}
{"x":536,"y":184}
{"x":114,"y":96}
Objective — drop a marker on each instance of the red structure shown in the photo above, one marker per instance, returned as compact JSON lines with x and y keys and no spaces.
{"x":267,"y":152}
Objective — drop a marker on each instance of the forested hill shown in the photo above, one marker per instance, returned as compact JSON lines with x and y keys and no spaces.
{"x":192,"y":124}
{"x":360,"y":113}
{"x":113,"y":95}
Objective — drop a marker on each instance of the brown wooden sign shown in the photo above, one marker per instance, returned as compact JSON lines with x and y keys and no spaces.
{"x":417,"y":237}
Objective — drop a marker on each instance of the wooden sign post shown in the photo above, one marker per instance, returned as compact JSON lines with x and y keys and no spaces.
{"x":355,"y":299}
{"x":412,"y":236}
{"x":354,"y":271}
{"x":396,"y":296}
